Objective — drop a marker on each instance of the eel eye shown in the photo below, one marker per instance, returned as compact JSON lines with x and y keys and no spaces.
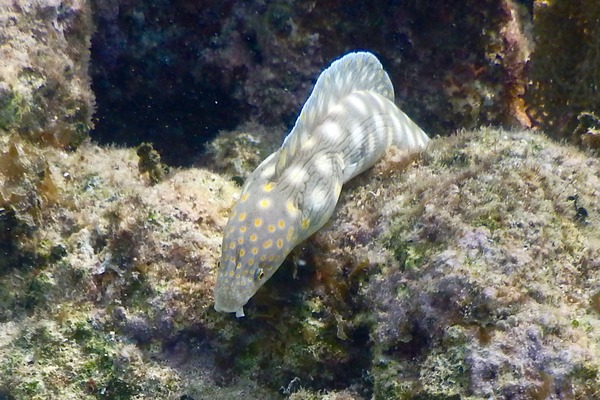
{"x":259,"y":274}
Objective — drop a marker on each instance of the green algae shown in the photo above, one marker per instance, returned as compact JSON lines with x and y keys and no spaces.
{"x":150,"y":163}
{"x":444,"y":371}
{"x":48,"y":345}
{"x":410,"y":255}
{"x":11,"y":109}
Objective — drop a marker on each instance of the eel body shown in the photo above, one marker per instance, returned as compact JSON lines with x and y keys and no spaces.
{"x":346,"y":126}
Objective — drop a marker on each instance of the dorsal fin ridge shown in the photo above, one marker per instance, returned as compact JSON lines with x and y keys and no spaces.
{"x":353,"y":72}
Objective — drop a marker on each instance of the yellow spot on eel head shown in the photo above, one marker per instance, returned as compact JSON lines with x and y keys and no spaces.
{"x":242,"y":229}
{"x":264,"y":203}
{"x":255,"y":250}
{"x":257,"y":222}
{"x":267,"y":187}
{"x":232,"y":245}
{"x":242,"y":253}
{"x":271,"y":228}
{"x":291,"y":208}
{"x":244,"y":197}
{"x":289,"y":234}
{"x":253,"y":238}
{"x":251,"y":262}
{"x":279,"y":243}
{"x":240,"y":240}
{"x":238,"y":266}
{"x":305,"y":223}
{"x":242,"y":216}
{"x":281,"y":224}
{"x":231,"y":274}
{"x":267,"y":244}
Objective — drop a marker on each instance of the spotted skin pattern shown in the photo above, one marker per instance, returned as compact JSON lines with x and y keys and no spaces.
{"x":346,"y":125}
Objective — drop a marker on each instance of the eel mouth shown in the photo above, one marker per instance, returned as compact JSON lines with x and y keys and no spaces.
{"x":239,"y":312}
{"x":230,"y":303}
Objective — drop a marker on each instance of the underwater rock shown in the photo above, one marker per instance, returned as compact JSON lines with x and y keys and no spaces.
{"x":465,"y":272}
{"x":150,"y":163}
{"x":563,"y":95}
{"x":45,"y":92}
{"x":481,"y":275}
{"x":471,"y":271}
{"x":238,"y":152}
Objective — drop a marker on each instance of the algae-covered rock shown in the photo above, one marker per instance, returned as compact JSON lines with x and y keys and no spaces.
{"x":45,"y":92}
{"x":481,"y":273}
{"x":239,"y":152}
{"x":150,"y":163}
{"x":121,"y":288}
{"x":564,"y":69}
{"x":469,"y":271}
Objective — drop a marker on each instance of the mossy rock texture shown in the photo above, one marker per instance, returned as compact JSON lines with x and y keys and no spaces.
{"x":467,"y":271}
{"x":45,"y":90}
{"x":483,"y":269}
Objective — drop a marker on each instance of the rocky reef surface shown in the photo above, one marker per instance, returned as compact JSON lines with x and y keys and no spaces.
{"x":45,"y":91}
{"x":470,"y":271}
{"x":562,"y":96}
